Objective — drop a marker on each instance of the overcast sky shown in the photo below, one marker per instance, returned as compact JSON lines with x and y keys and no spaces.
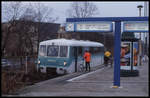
{"x":106,"y":9}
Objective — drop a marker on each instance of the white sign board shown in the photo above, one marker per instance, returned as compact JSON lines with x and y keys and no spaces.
{"x":135,"y":26}
{"x":99,"y":26}
{"x":89,"y":27}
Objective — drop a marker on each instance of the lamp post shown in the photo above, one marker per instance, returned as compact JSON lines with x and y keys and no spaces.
{"x":146,"y":34}
{"x":140,"y":7}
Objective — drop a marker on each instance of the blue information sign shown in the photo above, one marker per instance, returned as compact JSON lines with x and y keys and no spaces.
{"x":89,"y":27}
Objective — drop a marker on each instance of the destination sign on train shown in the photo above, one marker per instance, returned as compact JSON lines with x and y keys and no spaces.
{"x":94,"y":26}
{"x":136,"y":26}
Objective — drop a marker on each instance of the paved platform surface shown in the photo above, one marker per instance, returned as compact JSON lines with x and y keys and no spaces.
{"x":95,"y":83}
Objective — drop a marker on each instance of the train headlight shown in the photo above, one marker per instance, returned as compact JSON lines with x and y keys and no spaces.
{"x":39,"y":62}
{"x":65,"y":63}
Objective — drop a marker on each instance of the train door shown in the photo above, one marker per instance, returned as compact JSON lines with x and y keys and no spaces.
{"x":76,"y":57}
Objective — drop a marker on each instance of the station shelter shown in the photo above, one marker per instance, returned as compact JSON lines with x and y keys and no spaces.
{"x":116,"y":25}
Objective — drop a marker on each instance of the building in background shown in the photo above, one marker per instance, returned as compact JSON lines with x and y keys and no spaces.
{"x":24,"y":35}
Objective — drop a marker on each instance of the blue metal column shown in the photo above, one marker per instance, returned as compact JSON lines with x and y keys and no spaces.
{"x":117,"y":53}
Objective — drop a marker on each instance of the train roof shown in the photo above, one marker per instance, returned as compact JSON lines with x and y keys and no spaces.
{"x":71,"y":42}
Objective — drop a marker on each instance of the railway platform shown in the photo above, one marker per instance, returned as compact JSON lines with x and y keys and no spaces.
{"x":96,"y":83}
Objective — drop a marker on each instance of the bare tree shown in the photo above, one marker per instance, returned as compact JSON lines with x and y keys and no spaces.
{"x":27,"y":26}
{"x":12,"y":13}
{"x":11,"y":10}
{"x":12,"y":38}
{"x":43,"y":14}
{"x":82,"y":10}
{"x":30,"y":16}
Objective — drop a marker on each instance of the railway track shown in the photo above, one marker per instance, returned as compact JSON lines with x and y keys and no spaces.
{"x":18,"y":79}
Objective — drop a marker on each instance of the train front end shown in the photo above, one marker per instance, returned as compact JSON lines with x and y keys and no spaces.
{"x":53,"y":58}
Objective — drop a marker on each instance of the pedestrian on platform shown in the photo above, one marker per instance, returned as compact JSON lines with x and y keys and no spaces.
{"x":107,"y":57}
{"x":87,"y":57}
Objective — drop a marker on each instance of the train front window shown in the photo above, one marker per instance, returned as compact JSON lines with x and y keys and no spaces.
{"x":42,"y":50}
{"x":52,"y":50}
{"x":63,"y":51}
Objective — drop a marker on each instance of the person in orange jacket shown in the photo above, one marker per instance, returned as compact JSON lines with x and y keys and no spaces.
{"x":87,"y":57}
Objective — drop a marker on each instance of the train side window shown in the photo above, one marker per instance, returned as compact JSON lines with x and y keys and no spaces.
{"x":96,"y":49}
{"x":42,"y":50}
{"x":74,"y":51}
{"x":79,"y":51}
{"x":101,"y":49}
{"x":91,"y":50}
{"x":63,"y":51}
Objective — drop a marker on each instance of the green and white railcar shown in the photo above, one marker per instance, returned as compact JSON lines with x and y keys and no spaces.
{"x":65,"y":56}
